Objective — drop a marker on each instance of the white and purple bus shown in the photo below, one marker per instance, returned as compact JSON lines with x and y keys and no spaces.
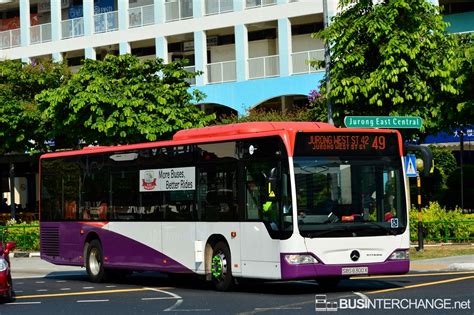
{"x":267,"y":200}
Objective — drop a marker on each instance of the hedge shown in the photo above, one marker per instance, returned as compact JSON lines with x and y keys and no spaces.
{"x":440,"y":224}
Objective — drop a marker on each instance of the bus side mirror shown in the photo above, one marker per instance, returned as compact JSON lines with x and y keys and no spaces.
{"x":426,"y":155}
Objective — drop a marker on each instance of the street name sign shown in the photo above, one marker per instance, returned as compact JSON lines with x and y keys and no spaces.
{"x":394,"y":122}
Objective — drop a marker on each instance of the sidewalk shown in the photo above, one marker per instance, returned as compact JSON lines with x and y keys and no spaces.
{"x":35,"y":267}
{"x":452,"y":263}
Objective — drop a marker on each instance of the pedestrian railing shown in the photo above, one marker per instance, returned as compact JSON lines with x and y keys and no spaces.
{"x":444,"y":231}
{"x":26,"y":237}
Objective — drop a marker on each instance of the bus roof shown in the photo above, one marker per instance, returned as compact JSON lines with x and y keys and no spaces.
{"x":218,"y":133}
{"x":248,"y":128}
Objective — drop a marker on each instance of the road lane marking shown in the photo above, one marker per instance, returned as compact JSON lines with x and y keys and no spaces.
{"x":172,"y":307}
{"x":87,"y":288}
{"x":23,"y":303}
{"x":87,"y":293}
{"x":363,"y":296}
{"x":420,"y":285}
{"x":92,"y":301}
{"x":65,"y":289}
{"x":266,"y":309}
{"x":173,"y":295}
{"x":159,"y":298}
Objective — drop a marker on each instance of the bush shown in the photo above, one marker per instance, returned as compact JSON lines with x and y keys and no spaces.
{"x":26,"y":236}
{"x":441,"y":224}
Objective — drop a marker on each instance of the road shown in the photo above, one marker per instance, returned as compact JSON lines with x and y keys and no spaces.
{"x":66,"y":290}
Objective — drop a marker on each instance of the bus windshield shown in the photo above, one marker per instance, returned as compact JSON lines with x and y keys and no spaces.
{"x":349,"y":196}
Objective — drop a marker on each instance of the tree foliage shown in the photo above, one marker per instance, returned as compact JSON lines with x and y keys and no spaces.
{"x":392,"y":57}
{"x":122,"y":100}
{"x":458,"y":111}
{"x":20,"y":118}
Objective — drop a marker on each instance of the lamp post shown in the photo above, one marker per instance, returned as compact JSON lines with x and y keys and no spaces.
{"x":327,"y":60}
{"x":461,"y":162}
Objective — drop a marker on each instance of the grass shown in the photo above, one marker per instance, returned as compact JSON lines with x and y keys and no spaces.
{"x":442,"y":251}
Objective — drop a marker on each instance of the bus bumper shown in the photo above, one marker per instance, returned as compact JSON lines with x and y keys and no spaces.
{"x":311,"y":271}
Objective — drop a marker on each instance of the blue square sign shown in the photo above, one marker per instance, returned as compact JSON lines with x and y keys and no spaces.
{"x":410,"y":166}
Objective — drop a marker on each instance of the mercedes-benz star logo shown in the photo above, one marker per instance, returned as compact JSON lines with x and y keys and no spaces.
{"x":355,"y":255}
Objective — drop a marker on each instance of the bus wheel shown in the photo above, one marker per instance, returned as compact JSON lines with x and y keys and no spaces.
{"x":221,"y":267}
{"x":95,"y":262}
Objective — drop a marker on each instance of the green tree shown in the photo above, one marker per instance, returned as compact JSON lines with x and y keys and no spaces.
{"x":122,"y":100}
{"x":391,"y":57}
{"x":20,"y":118}
{"x":458,"y":111}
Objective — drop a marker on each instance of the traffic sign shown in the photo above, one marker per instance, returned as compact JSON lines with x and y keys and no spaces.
{"x":410,"y":165}
{"x":394,"y":122}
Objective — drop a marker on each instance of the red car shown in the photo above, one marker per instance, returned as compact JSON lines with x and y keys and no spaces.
{"x":6,"y":288}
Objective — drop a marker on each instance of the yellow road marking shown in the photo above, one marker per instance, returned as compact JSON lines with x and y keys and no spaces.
{"x":416,"y":275}
{"x":85,"y":293}
{"x":421,"y":285}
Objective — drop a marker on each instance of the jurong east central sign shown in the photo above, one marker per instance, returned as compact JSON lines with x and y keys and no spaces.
{"x":394,"y":122}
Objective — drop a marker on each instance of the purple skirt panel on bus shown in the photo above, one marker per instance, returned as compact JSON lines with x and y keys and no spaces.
{"x":62,"y":243}
{"x":311,"y":271}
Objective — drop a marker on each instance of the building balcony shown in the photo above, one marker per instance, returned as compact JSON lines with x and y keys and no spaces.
{"x":10,"y":39}
{"x":40,"y":33}
{"x":220,"y":72}
{"x":263,"y":67}
{"x":106,"y":22}
{"x":141,"y":16}
{"x":178,"y":10}
{"x":218,"y":6}
{"x":252,"y":4}
{"x":300,"y":61}
{"x":72,"y":28}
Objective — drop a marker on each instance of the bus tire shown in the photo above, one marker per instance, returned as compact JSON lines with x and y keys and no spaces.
{"x":95,"y":262}
{"x":221,"y":267}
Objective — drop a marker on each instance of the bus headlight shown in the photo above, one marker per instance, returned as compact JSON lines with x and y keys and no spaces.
{"x":3,"y":265}
{"x":298,"y":259}
{"x":399,"y":255}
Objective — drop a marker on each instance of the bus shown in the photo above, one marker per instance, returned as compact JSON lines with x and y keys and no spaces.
{"x":262,"y":200}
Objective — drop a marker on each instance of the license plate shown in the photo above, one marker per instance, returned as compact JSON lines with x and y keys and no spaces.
{"x":355,"y":271}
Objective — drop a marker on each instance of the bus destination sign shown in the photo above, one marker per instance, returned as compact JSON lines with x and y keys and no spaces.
{"x":359,"y":143}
